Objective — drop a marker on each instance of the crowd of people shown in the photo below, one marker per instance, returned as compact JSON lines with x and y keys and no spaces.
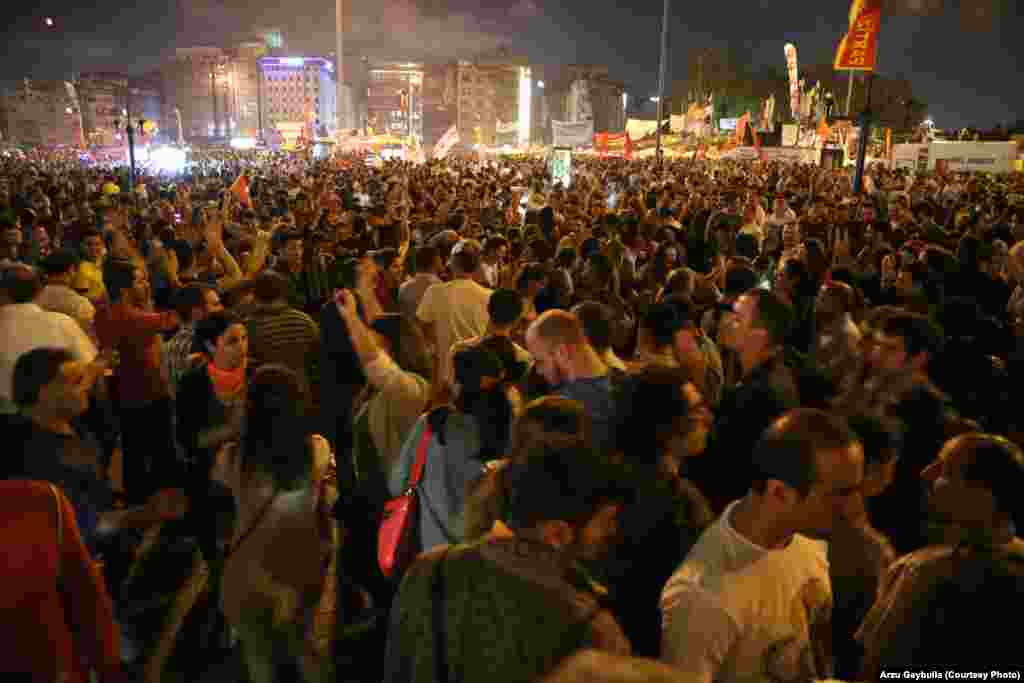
{"x":681,"y":421}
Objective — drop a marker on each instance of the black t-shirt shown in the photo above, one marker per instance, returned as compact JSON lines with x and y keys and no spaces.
{"x":63,"y":460}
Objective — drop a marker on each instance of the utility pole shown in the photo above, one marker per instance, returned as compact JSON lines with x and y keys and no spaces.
{"x":661,"y":81}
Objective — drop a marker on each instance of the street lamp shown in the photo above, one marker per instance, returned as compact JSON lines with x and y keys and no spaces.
{"x":129,"y":129}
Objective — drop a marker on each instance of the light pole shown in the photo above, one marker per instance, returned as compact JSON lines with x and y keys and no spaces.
{"x":661,"y":81}
{"x":129,"y":129}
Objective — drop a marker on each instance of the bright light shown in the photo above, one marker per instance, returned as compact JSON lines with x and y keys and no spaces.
{"x":929,"y":122}
{"x":655,"y":98}
{"x":540,"y":84}
{"x":168,"y":159}
{"x":49,"y":22}
{"x":243,"y":143}
{"x":525,"y":100}
{"x":124,"y":112}
{"x":293,"y":61}
{"x":69,"y":110}
{"x":625,"y":101}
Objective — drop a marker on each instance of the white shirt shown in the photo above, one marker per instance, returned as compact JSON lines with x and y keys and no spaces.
{"x":63,"y":299}
{"x":735,"y":611}
{"x":457,"y":310}
{"x":24,"y":327}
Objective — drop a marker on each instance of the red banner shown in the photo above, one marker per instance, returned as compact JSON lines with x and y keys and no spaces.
{"x":858,"y":50}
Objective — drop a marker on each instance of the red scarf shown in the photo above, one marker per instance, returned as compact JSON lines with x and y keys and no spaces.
{"x":226,"y":382}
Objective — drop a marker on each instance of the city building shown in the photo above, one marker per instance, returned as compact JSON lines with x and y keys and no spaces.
{"x":592,"y":95}
{"x":299,"y":90}
{"x":245,"y":78}
{"x":103,"y":100}
{"x":395,"y":98}
{"x":42,"y":113}
{"x":197,"y":91}
{"x":494,"y":95}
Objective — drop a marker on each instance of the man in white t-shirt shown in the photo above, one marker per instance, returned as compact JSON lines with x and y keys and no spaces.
{"x":453,"y":311}
{"x":752,"y":601}
{"x":25,"y":326}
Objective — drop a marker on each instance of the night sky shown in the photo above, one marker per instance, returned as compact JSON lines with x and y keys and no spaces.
{"x":962,"y":63}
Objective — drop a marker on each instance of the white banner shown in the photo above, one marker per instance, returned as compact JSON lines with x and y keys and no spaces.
{"x":641,"y":128}
{"x":572,"y":133}
{"x":794,"y":79}
{"x":447,"y":141}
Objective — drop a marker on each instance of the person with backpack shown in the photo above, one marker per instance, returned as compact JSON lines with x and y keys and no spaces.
{"x":462,"y":438}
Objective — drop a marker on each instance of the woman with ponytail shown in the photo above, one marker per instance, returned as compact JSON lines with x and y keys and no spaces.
{"x":474,"y":430}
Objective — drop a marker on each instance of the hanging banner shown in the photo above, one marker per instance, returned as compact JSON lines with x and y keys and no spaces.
{"x":858,"y":50}
{"x":641,"y":128}
{"x":572,"y":133}
{"x":794,"y":80}
{"x":447,"y":141}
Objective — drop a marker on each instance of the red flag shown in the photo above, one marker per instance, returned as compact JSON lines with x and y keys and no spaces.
{"x":240,"y":188}
{"x":858,"y":50}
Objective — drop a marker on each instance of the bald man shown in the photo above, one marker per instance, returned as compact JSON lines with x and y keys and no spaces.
{"x":574,"y":369}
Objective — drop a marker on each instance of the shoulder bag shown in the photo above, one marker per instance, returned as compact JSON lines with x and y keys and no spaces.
{"x":397,"y":536}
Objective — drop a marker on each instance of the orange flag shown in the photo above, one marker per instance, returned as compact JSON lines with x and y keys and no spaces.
{"x":240,"y":188}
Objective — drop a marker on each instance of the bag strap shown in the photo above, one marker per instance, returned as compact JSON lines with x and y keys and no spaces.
{"x":421,"y":455}
{"x":60,"y":525}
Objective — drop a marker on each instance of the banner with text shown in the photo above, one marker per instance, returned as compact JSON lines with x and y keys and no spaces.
{"x":572,"y":133}
{"x":858,"y":50}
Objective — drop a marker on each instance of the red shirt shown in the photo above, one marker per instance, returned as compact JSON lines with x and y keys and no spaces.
{"x":35,"y":615}
{"x":136,"y":334}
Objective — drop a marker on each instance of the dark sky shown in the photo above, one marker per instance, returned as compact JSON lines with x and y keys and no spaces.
{"x":966,"y":71}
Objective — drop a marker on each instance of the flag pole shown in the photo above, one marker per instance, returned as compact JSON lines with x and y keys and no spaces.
{"x":661,"y":81}
{"x":849,"y":93}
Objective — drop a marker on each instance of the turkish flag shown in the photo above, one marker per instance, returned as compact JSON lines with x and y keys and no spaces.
{"x":241,"y":190}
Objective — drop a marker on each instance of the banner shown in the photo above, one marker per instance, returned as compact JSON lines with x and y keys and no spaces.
{"x":641,"y":128}
{"x":794,"y":80}
{"x":572,"y":133}
{"x":858,"y":50}
{"x":447,"y":141}
{"x":614,"y":144}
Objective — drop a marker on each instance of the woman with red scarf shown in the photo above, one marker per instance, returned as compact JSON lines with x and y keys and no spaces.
{"x":210,"y":403}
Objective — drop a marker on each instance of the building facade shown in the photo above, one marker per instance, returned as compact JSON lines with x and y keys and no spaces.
{"x":592,"y":95}
{"x":43,"y":113}
{"x":196,"y":86}
{"x":394,"y":98}
{"x":299,"y":90}
{"x":494,"y":96}
{"x":103,"y":99}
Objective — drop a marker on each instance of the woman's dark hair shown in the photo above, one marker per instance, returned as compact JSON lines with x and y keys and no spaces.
{"x":118,"y":276}
{"x":488,"y":405}
{"x":548,"y":422}
{"x":211,"y":328}
{"x":276,"y":437}
{"x":34,"y":370}
{"x":651,"y":406}
{"x":596,"y":319}
{"x":408,"y":345}
{"x":568,"y":483}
